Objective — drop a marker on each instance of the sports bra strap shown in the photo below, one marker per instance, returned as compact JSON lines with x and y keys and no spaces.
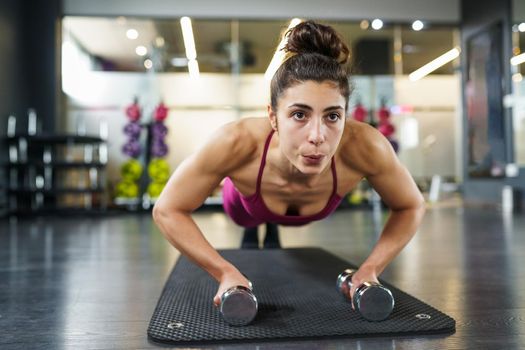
{"x":263,"y":162}
{"x":334,"y":177}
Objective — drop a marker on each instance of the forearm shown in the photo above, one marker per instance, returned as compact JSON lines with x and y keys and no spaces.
{"x":398,"y":231}
{"x":184,"y":234}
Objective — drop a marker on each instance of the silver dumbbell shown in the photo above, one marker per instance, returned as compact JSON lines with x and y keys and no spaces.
{"x":372,"y":300}
{"x":238,"y":305}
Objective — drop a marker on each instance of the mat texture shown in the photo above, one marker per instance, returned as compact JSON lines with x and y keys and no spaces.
{"x":297,"y":299}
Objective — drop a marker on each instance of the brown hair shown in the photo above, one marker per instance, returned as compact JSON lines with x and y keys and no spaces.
{"x":313,"y":52}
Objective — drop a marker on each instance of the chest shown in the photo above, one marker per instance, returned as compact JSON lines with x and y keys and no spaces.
{"x":291,"y":198}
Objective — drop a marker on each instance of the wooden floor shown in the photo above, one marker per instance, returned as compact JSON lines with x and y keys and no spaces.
{"x":93,"y":282}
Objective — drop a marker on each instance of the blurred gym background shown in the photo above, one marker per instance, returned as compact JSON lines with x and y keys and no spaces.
{"x":101,"y":100}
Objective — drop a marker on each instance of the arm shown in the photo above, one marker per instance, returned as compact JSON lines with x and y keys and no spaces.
{"x":398,"y":190}
{"x":187,"y":189}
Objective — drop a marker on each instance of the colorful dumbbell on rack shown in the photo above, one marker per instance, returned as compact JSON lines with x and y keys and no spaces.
{"x":360,"y":113}
{"x":385,"y":126}
{"x":158,"y":167}
{"x":131,"y":170}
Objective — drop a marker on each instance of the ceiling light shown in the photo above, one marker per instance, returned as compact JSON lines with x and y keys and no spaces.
{"x":132,"y":34}
{"x":193,"y":68}
{"x":159,"y":41}
{"x":278,"y":56}
{"x":179,"y":62}
{"x":417,"y":25}
{"x":187,"y":34}
{"x":148,"y":64}
{"x":519,"y":59}
{"x":517,"y":77}
{"x":141,"y":50}
{"x":377,"y":24}
{"x":521,"y":27}
{"x":364,"y":24}
{"x":434,"y":64}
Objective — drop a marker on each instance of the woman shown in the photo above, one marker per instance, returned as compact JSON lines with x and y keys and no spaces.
{"x":300,"y":162}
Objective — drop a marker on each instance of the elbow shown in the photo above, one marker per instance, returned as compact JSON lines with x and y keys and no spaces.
{"x":421,"y":207}
{"x":162,"y":212}
{"x":158,"y":213}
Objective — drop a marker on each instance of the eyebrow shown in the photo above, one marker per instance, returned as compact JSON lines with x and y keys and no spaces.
{"x":302,"y":105}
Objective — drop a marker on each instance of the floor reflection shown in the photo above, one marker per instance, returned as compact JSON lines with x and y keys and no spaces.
{"x":94,"y":282}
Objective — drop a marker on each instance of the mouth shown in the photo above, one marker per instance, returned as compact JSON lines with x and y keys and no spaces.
{"x":313,"y":159}
{"x":314,"y":156}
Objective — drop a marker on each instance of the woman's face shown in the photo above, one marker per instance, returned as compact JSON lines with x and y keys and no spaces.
{"x":309,"y":120}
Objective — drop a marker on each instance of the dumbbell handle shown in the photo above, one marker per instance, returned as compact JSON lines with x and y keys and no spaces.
{"x":344,"y":282}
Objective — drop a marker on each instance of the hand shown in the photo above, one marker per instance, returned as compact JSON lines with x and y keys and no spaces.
{"x":230,"y":279}
{"x":362,"y":275}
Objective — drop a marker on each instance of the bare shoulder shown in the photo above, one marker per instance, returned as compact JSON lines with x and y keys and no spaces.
{"x":232,"y":145}
{"x":365,"y":149}
{"x":231,"y":148}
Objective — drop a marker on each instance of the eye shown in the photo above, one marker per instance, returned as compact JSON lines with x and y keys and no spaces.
{"x":298,"y":116}
{"x":333,"y":117}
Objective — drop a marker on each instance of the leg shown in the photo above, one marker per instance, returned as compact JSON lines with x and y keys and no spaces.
{"x":250,"y":239}
{"x":272,"y":236}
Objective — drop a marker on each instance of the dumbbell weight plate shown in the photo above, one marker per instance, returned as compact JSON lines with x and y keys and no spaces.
{"x":159,"y":148}
{"x":131,"y":170}
{"x":238,"y":306}
{"x":132,"y":148}
{"x":159,"y":170}
{"x":132,"y":129}
{"x":155,"y":188}
{"x":374,"y":302}
{"x":127,"y":189}
{"x":159,"y":131}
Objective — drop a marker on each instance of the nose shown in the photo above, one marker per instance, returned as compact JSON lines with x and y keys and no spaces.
{"x":315,"y":133}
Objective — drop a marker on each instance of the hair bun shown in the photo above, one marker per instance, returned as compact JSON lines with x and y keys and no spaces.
{"x":312,"y":37}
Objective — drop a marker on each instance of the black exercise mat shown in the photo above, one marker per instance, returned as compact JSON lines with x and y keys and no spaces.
{"x":297,"y":299}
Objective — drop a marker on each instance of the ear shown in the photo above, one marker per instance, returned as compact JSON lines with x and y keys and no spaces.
{"x":273,"y":117}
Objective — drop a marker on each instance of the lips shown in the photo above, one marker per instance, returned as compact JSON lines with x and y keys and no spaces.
{"x":314,"y":156}
{"x":313,"y":159}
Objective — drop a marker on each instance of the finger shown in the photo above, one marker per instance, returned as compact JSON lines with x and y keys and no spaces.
{"x":217,"y":300}
{"x":352,"y":291}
